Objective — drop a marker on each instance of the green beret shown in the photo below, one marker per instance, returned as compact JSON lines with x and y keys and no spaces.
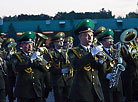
{"x":107,"y":34}
{"x":9,"y":40}
{"x":99,"y":30}
{"x":1,"y":40}
{"x":27,"y":37}
{"x":85,"y":25}
{"x":59,"y":36}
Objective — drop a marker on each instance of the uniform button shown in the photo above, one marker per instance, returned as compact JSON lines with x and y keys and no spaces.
{"x":92,"y":69}
{"x":33,"y":83}
{"x":93,"y":83}
{"x":33,"y":72}
{"x":93,"y":77}
{"x":33,"y":77}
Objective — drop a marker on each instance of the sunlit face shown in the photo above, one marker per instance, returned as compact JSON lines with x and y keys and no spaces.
{"x":27,"y":46}
{"x":86,"y":38}
{"x":58,"y":44}
{"x":107,"y":43}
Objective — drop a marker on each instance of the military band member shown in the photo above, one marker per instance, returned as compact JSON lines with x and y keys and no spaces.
{"x":28,"y":86}
{"x":2,"y":74}
{"x":86,"y":86}
{"x":111,"y":94}
{"x":129,"y":76}
{"x":11,"y":75}
{"x":68,"y":42}
{"x":59,"y":70}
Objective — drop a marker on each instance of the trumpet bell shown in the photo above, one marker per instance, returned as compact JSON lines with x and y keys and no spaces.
{"x":41,"y":38}
{"x":128,"y":35}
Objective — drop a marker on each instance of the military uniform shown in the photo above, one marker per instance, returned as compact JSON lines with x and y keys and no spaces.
{"x":130,"y":75}
{"x":2,"y":76}
{"x":61,"y":82}
{"x":68,"y":42}
{"x":86,"y":86}
{"x":29,"y":82}
{"x":115,"y":93}
{"x":11,"y":75}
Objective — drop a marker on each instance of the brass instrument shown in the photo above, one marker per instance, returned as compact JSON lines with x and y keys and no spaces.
{"x":104,"y":52}
{"x":40,"y":40}
{"x":128,"y":37}
{"x":37,"y":54}
{"x":12,"y":46}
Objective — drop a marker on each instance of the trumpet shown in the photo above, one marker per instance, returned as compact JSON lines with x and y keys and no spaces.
{"x":104,"y":52}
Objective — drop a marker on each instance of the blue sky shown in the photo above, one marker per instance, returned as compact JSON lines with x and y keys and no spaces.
{"x":51,"y":7}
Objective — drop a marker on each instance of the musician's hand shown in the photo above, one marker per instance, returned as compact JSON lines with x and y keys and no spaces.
{"x":96,"y":49}
{"x":1,"y":60}
{"x":35,"y":55}
{"x":109,"y":76}
{"x":119,"y":59}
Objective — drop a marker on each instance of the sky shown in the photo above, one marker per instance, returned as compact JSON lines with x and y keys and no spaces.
{"x":52,"y":7}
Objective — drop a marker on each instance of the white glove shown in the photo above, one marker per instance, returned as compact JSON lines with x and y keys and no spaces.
{"x":109,"y":76}
{"x":96,"y":49}
{"x":35,"y":55}
{"x":65,"y":70}
{"x":119,"y":60}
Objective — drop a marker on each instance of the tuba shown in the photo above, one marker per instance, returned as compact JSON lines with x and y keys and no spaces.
{"x":128,"y":37}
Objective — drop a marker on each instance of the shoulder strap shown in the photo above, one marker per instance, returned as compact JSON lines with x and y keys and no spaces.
{"x":19,"y":58}
{"x":76,"y":53}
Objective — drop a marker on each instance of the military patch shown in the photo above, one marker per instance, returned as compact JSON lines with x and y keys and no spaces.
{"x":28,"y":70}
{"x":87,"y":67}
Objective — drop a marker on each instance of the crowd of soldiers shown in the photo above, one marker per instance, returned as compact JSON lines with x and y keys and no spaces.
{"x":97,"y":70}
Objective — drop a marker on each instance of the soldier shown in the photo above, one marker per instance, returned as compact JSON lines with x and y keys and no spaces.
{"x":68,"y":43}
{"x":28,"y":86}
{"x":86,"y":86}
{"x":111,"y":93}
{"x":2,"y":75}
{"x":129,"y":76}
{"x":10,"y":46}
{"x":59,"y":70}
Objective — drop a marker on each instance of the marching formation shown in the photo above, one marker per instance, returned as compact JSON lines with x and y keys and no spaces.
{"x":97,"y":70}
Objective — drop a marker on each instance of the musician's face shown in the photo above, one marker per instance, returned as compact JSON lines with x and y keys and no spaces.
{"x":108,"y":43}
{"x":86,"y":38}
{"x":27,"y":46}
{"x":58,"y":44}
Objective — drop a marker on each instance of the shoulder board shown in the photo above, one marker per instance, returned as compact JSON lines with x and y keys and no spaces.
{"x":17,"y":55}
{"x":76,"y":52}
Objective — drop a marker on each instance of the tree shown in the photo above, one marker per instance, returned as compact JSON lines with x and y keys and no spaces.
{"x":11,"y":32}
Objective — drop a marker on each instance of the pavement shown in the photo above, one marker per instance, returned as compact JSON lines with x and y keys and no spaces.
{"x":49,"y":99}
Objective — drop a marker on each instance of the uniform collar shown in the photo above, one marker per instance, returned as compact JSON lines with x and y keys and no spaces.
{"x":85,"y":47}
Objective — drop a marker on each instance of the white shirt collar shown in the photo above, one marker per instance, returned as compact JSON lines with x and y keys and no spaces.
{"x":85,"y":47}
